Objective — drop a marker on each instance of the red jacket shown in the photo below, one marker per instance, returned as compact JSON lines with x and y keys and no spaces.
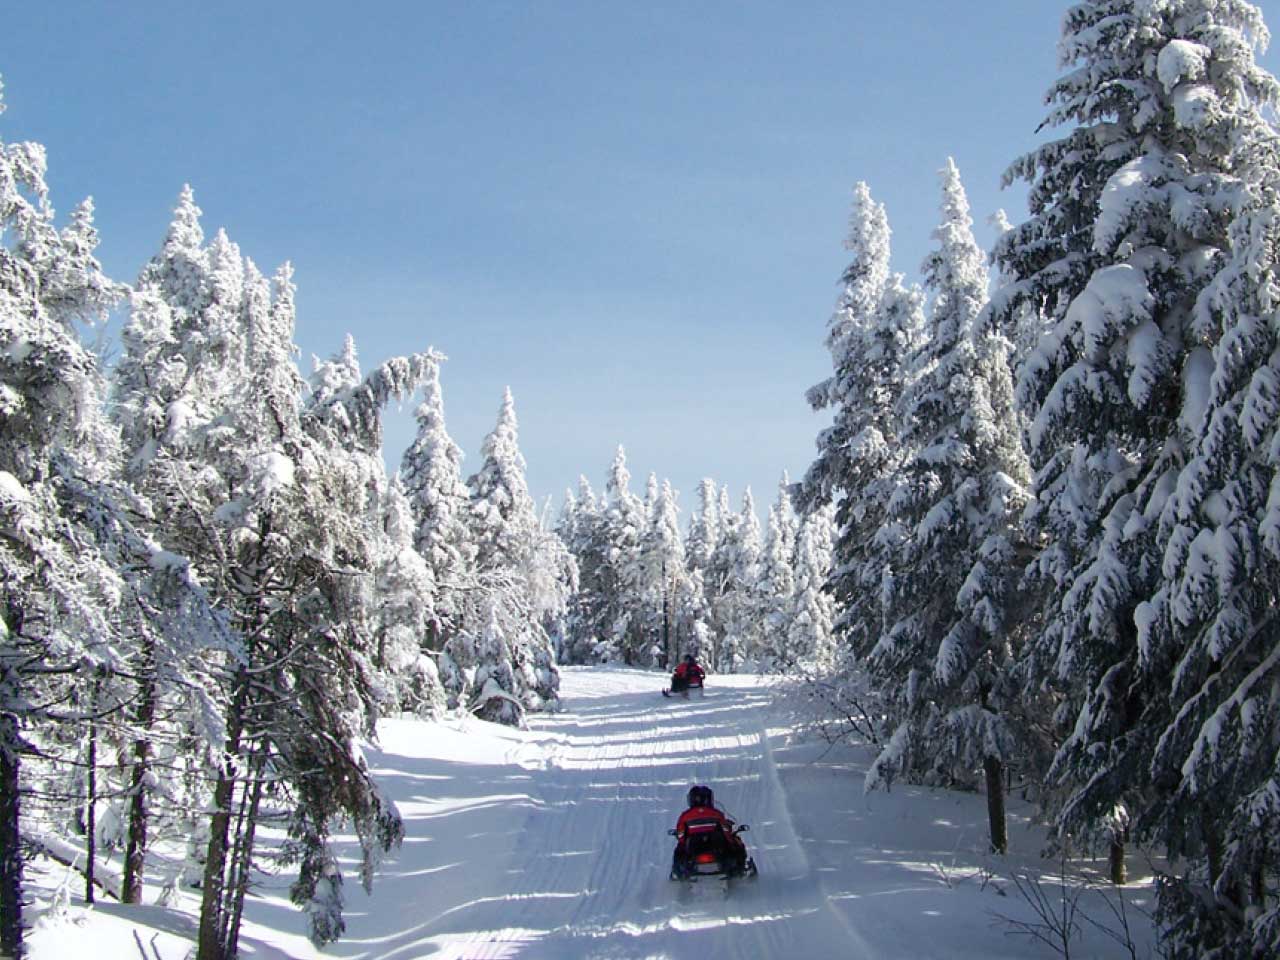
{"x":703,"y":813}
{"x":689,"y":671}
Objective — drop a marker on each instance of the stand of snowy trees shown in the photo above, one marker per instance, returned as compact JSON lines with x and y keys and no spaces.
{"x":647,"y":597}
{"x":211,"y":589}
{"x":1058,"y":509}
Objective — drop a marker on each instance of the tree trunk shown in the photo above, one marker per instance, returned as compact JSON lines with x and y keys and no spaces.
{"x":1119,"y":872}
{"x":91,"y":802}
{"x":667,"y":658}
{"x":1212,"y":846}
{"x":10,"y":852}
{"x":135,"y":852}
{"x":994,"y":769}
{"x":246,"y":832}
{"x":209,"y":943}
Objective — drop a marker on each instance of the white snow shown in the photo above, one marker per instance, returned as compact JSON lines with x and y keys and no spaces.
{"x":11,"y":488}
{"x":1181,"y":60}
{"x":551,"y":843}
{"x":1197,"y":372}
{"x":270,"y":472}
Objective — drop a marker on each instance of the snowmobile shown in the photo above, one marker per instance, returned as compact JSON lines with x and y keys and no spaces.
{"x":709,"y":855}
{"x":687,"y":676}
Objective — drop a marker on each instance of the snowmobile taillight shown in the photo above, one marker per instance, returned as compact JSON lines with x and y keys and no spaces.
{"x":705,"y":858}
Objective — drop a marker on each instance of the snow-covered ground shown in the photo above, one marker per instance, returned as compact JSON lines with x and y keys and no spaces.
{"x":552,"y":843}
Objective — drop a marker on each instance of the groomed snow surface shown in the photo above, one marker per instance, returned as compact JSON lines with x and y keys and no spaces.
{"x":552,"y":843}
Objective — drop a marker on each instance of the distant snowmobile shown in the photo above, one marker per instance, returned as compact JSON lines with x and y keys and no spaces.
{"x":708,"y":844}
{"x":687,"y":676}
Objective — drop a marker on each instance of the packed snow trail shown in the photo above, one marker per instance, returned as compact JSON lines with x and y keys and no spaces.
{"x":559,"y":848}
{"x":552,"y":842}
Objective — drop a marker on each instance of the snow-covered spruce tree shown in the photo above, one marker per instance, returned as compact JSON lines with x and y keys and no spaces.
{"x":944,"y":660}
{"x":343,"y":412}
{"x":1130,"y":221}
{"x":865,"y":281}
{"x":704,"y":527}
{"x":624,"y":521}
{"x":662,"y":564}
{"x":718,"y":580}
{"x":524,"y":572}
{"x":431,"y":469}
{"x":79,"y":579}
{"x":260,"y":489}
{"x":876,"y":326}
{"x":737,"y":601}
{"x":178,"y":344}
{"x":403,"y":587}
{"x":582,"y":530}
{"x":1207,"y":663}
{"x":778,"y":581}
{"x":810,"y":641}
{"x":697,"y":617}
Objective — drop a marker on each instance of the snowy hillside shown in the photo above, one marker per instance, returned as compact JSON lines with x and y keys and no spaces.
{"x":551,"y":843}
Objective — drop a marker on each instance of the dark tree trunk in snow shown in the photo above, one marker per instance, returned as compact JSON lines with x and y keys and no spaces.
{"x":10,"y":854}
{"x":91,"y":804}
{"x":135,"y":853}
{"x":246,"y":834}
{"x":995,"y":804}
{"x":210,"y":944}
{"x":1119,"y":872}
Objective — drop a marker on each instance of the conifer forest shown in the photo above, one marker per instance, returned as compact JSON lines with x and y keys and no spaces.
{"x":1035,"y":559}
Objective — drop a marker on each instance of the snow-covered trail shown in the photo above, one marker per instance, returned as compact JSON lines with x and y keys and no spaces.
{"x":558,"y":848}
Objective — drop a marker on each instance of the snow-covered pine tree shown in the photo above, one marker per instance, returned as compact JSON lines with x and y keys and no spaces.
{"x":778,"y":581}
{"x":582,"y":529}
{"x":663,"y":569}
{"x":80,"y":582}
{"x":343,"y":413}
{"x":1131,"y":220}
{"x":945,"y":657}
{"x":876,"y":325}
{"x":625,"y":525}
{"x":431,"y":469}
{"x":737,"y":600}
{"x":524,"y":572}
{"x":865,"y":281}
{"x":403,"y":586}
{"x":810,"y":641}
{"x":1207,"y":186}
{"x":718,"y":579}
{"x":704,"y":528}
{"x":271,"y":499}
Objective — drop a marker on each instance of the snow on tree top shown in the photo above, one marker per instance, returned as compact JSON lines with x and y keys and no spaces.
{"x":1181,"y":60}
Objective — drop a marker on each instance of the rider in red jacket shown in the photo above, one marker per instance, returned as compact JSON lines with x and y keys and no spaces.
{"x":703,"y":815}
{"x":687,"y":672}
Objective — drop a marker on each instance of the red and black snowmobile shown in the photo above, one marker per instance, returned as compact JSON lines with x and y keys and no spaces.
{"x":709,"y":844}
{"x":687,"y":676}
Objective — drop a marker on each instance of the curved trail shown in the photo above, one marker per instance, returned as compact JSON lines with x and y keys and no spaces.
{"x":571,"y":850}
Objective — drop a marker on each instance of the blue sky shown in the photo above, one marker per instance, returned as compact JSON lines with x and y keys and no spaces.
{"x":631,"y":213}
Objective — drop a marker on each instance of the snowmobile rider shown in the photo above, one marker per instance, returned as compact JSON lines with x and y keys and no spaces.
{"x":687,"y":672}
{"x":704,"y":816}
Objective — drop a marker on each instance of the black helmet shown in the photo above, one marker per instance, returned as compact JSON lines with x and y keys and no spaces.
{"x":701,"y":797}
{"x":689,"y":658}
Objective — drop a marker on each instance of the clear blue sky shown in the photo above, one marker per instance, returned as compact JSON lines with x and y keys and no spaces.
{"x":631,"y":213}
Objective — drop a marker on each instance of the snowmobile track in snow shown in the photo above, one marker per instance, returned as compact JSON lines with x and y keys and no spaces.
{"x":585,"y":872}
